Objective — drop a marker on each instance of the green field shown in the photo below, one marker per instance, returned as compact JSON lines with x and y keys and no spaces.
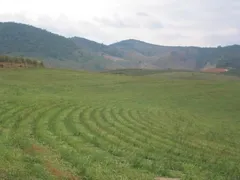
{"x":60,"y":124}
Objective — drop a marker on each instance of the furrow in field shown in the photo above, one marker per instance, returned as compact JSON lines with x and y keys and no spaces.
{"x":187,"y":145}
{"x":20,"y":138}
{"x":42,"y":124}
{"x":119,"y":143}
{"x":46,"y":133}
{"x":179,"y":153}
{"x":78,"y":150}
{"x":21,"y":117}
{"x":93,"y":133}
{"x":126,"y":150}
{"x":11,"y":111}
{"x":94,"y":130}
{"x":143,"y":135}
{"x":153,"y":150}
{"x":137,"y":127}
{"x":10,"y":117}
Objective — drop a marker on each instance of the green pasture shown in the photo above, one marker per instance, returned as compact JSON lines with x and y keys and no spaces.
{"x":62,"y":124}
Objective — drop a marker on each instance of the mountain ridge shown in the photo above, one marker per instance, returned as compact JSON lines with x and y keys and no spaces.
{"x":81,"y":53}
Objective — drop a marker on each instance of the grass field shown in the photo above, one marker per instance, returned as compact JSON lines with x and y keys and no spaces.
{"x":60,"y":124}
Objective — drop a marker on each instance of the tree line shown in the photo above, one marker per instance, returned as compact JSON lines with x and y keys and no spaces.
{"x":21,"y":60}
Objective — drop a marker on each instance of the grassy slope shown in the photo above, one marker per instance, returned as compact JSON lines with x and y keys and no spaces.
{"x":104,"y":126}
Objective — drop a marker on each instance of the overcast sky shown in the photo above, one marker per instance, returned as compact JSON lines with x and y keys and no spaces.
{"x":164,"y":22}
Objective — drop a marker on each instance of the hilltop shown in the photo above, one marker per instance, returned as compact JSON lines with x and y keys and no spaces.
{"x":81,"y":53}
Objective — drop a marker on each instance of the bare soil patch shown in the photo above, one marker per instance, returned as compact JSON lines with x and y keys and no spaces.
{"x":108,"y":57}
{"x":60,"y":174}
{"x":3,"y":174}
{"x":50,"y":168}
{"x":35,"y":148}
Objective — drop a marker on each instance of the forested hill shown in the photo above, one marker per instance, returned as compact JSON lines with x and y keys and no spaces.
{"x":55,"y":50}
{"x":228,"y":56}
{"x":20,"y":38}
{"x":79,"y":53}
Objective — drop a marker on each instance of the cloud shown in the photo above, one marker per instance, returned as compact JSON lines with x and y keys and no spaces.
{"x":142,"y":14}
{"x":117,"y":22}
{"x":165,"y":22}
{"x":155,"y":25}
{"x":19,"y":17}
{"x":229,"y":36}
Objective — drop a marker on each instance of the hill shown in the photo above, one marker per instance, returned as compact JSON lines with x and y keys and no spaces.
{"x":92,"y":46}
{"x":179,"y":57}
{"x":26,"y":39}
{"x":55,"y":50}
{"x":89,"y":45}
{"x":63,"y":124}
{"x":79,"y":53}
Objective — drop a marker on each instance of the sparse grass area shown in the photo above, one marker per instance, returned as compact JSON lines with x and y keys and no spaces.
{"x":57,"y":124}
